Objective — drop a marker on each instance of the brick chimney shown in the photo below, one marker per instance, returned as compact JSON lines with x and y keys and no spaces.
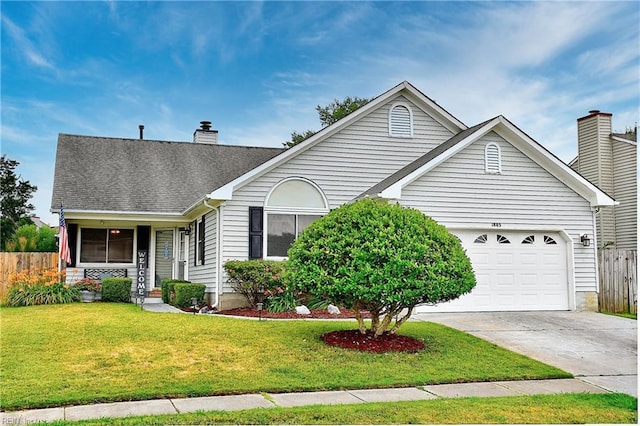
{"x":205,"y":135}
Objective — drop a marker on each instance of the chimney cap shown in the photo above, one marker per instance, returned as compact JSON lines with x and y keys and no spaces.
{"x":594,"y":111}
{"x":205,"y":125}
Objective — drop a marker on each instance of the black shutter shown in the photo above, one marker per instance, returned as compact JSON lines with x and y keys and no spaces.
{"x":72,"y":232}
{"x":255,"y":232}
{"x":201,"y":242}
{"x":195,"y":242}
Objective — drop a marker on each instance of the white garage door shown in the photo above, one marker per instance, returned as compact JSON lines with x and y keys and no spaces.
{"x":515,"y":271}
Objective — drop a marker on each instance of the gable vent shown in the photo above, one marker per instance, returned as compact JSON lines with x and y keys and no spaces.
{"x":492,"y":160}
{"x":400,"y":121}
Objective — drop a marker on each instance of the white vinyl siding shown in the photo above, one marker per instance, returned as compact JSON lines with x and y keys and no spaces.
{"x":459,"y":194}
{"x":205,"y":274}
{"x":343,"y":166}
{"x":625,"y":158}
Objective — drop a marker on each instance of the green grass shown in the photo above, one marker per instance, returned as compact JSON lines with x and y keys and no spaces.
{"x":539,"y":409}
{"x":621,"y":314}
{"x":99,"y":352}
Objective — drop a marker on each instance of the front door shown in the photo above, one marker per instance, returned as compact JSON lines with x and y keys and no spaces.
{"x":164,"y":256}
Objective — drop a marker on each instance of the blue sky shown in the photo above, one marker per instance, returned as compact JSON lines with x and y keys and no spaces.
{"x":258,"y":69}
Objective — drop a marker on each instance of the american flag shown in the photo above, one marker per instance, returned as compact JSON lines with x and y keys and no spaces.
{"x":65,"y":253}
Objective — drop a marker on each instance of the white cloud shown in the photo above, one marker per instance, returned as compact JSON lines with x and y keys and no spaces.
{"x":25,"y":45}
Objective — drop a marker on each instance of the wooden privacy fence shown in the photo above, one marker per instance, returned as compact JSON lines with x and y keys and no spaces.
{"x":618,"y":280}
{"x":16,"y":262}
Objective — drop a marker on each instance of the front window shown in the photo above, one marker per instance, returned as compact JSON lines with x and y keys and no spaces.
{"x":291,"y":206}
{"x":283,"y":229}
{"x":106,"y":245}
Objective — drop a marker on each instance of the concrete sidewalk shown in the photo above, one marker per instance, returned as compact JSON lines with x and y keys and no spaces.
{"x":242,"y":402}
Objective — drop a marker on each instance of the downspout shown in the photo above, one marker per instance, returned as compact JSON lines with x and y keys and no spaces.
{"x":595,"y":248}
{"x":217,"y":292}
{"x":219,"y":272}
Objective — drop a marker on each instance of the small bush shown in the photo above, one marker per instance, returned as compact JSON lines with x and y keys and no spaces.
{"x":280,"y":299}
{"x":186,"y":291}
{"x":116,"y":289}
{"x":168,"y":292}
{"x":39,"y":294}
{"x":252,"y":278}
{"x":316,"y":302}
{"x":88,"y":284}
{"x":38,"y":287}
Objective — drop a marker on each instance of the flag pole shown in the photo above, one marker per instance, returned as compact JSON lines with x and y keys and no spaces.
{"x":59,"y":248}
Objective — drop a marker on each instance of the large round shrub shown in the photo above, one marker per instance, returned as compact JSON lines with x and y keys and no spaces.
{"x":380,"y":257}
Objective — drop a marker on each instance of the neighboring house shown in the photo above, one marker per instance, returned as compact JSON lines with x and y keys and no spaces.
{"x":610,"y":161}
{"x":520,"y":212}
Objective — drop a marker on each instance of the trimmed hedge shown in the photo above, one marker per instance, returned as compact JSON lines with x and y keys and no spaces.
{"x":168,"y":292}
{"x":116,"y":289}
{"x":185,"y":291}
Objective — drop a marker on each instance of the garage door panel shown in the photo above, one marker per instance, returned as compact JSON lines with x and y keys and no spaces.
{"x":504,"y":258}
{"x":505,"y":279}
{"x":554,"y":259}
{"x":480,"y":259}
{"x":528,"y":273}
{"x":528,"y":279}
{"x":528,"y":259}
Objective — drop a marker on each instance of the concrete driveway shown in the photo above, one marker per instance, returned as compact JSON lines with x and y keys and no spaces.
{"x":597,"y":348}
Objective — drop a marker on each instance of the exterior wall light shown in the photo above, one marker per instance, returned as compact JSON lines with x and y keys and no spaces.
{"x":584,"y":239}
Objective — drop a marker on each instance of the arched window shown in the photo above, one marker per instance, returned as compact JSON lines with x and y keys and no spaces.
{"x":492,"y":159}
{"x":291,"y":206}
{"x":400,"y":121}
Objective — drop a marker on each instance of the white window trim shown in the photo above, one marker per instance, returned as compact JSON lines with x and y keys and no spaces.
{"x":105,"y":264}
{"x":408,"y":107}
{"x":486,"y":159}
{"x":289,"y":211}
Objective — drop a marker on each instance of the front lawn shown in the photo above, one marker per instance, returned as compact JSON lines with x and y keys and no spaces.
{"x":98,"y":352}
{"x":537,"y":409}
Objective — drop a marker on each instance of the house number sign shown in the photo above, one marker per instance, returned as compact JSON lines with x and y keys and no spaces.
{"x":141,"y":274}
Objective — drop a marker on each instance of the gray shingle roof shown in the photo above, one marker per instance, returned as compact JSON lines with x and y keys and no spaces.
{"x":113,"y":174}
{"x":416,"y":164}
{"x":628,"y":136}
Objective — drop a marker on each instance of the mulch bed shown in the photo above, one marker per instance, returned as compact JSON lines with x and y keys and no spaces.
{"x":348,"y":339}
{"x":315,"y":313}
{"x":353,"y":339}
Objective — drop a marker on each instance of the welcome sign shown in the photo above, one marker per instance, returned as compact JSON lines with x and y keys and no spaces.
{"x":141,"y":276}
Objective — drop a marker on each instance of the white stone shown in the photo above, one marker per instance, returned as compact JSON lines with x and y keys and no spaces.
{"x":333,"y":310}
{"x":302,"y":310}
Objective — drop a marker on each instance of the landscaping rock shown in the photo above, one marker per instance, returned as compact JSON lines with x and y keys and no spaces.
{"x":302,"y":310}
{"x":203,"y":310}
{"x":333,"y":310}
